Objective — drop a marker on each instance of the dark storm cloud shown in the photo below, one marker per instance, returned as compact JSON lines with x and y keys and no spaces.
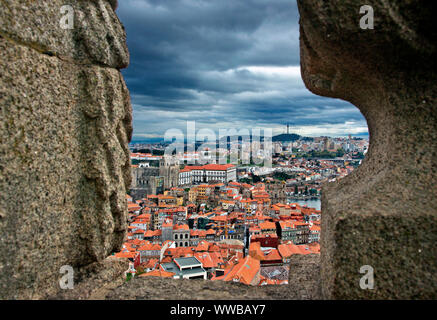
{"x":222,"y":63}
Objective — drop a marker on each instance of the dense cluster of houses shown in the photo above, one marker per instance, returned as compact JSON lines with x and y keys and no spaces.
{"x":222,"y":232}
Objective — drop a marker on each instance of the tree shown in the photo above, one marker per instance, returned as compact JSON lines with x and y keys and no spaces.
{"x":245,"y":180}
{"x":340,"y":152}
{"x":296,"y":189}
{"x":256,"y":178}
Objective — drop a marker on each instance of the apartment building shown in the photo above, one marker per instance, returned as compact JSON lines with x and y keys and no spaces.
{"x":207,"y":173}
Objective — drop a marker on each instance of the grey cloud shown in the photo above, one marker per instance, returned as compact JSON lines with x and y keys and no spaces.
{"x":190,"y":60}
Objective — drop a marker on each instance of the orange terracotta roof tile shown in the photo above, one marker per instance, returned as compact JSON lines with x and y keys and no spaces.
{"x":244,"y":271}
{"x":202,"y":246}
{"x":267,"y":225}
{"x":272,"y":255}
{"x":158,"y":273}
{"x":205,"y":259}
{"x":181,"y":227}
{"x":130,"y":255}
{"x":150,"y":263}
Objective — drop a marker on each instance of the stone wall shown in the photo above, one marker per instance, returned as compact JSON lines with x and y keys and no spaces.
{"x":385,"y":213}
{"x":144,"y":182}
{"x":170,"y":172}
{"x":64,"y":128}
{"x":153,"y":180}
{"x":64,"y":163}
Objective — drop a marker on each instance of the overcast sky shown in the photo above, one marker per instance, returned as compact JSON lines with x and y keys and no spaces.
{"x":224,"y":64}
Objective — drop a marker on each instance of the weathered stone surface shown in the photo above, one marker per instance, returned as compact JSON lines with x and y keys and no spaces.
{"x":64,"y":163}
{"x":385,"y":213}
{"x":304,"y":277}
{"x":97,"y":36}
{"x":64,"y":159}
{"x":94,"y":281}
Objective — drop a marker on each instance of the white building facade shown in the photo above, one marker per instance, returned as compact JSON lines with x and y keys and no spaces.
{"x":207,"y":173}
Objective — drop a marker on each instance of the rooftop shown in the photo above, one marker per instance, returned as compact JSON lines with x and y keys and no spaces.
{"x":186,"y":261}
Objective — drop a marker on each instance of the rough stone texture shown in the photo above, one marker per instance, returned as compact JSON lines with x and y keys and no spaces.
{"x":385,"y":213}
{"x":94,"y":281}
{"x":97,"y":36}
{"x":303,"y":284}
{"x":304,"y":277}
{"x":64,"y":129}
{"x":64,"y":162}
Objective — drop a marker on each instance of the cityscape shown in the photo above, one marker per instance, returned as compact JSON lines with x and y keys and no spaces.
{"x":191,"y":218}
{"x":207,"y":158}
{"x":228,"y":204}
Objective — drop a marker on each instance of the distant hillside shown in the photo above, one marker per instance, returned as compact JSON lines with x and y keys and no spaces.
{"x":286,"y":137}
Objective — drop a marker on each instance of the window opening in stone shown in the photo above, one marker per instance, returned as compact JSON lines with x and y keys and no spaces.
{"x":199,"y":67}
